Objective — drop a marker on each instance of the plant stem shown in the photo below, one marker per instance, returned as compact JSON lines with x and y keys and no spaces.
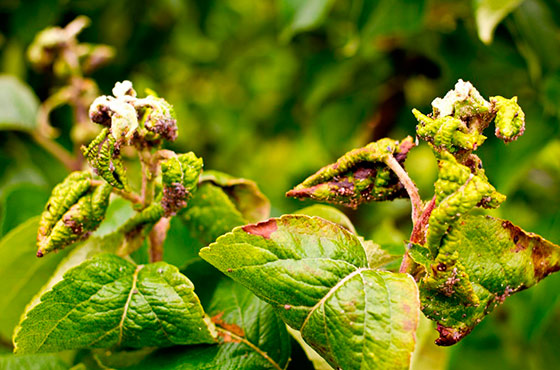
{"x":418,"y":235}
{"x":56,"y":150}
{"x":149,"y":172}
{"x":408,"y":184}
{"x":157,"y":238}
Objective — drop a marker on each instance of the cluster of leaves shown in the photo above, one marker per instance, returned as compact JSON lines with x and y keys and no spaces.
{"x":222,"y":64}
{"x":100,"y":296}
{"x":333,"y":286}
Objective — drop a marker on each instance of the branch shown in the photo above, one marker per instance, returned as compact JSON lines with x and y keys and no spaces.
{"x":56,"y":150}
{"x":408,"y":184}
{"x":157,"y":238}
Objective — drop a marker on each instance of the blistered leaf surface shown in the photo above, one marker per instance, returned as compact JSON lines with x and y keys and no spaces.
{"x":359,"y":176}
{"x":481,"y":261}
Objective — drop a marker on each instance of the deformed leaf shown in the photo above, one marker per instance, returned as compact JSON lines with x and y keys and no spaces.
{"x":316,"y":276}
{"x":179,"y":179}
{"x":510,"y":119}
{"x":359,"y":176}
{"x":245,"y":194}
{"x":73,"y":211}
{"x":103,"y":155}
{"x":482,"y":261}
{"x":251,"y":336}
{"x":18,"y":105}
{"x":107,"y":302}
{"x":458,"y":190}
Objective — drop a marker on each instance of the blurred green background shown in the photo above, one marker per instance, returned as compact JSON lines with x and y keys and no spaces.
{"x":273,"y":90}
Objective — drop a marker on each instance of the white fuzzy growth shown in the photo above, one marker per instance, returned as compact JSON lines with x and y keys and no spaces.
{"x":123,"y":88}
{"x":124,"y":121}
{"x":463,"y":90}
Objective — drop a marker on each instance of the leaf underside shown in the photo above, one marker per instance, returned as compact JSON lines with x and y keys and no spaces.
{"x":315,"y":275}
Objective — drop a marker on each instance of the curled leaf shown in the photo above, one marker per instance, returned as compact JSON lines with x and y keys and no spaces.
{"x":150,"y":118}
{"x":63,"y":196}
{"x":117,"y":114}
{"x":244,"y":193}
{"x":458,"y":190}
{"x":510,"y":119}
{"x":73,"y":211}
{"x":458,"y":120}
{"x":179,"y":177}
{"x":159,"y":117}
{"x":447,"y":133}
{"x":482,"y":261}
{"x":103,"y":154}
{"x":359,"y":176}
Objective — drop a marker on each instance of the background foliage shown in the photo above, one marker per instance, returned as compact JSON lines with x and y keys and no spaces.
{"x":273,"y":90}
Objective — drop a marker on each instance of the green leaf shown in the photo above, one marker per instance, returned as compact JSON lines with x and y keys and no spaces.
{"x":315,"y":274}
{"x":18,"y":105}
{"x":211,"y":213}
{"x":489,"y":13}
{"x":303,"y":15}
{"x":245,"y":194}
{"x":82,"y":252}
{"x":33,"y":362}
{"x":359,"y":176}
{"x":107,"y":302}
{"x":17,"y":249}
{"x":491,"y":257}
{"x":251,"y":336}
{"x":395,"y":17}
{"x":19,"y":203}
{"x":328,"y":213}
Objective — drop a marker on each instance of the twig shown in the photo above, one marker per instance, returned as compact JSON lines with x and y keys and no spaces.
{"x":56,"y":150}
{"x":408,"y":184}
{"x":157,"y":238}
{"x":149,"y":168}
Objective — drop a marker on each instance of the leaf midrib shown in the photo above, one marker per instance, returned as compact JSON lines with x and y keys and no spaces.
{"x":330,"y":293}
{"x":127,"y":304}
{"x":252,"y":346}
